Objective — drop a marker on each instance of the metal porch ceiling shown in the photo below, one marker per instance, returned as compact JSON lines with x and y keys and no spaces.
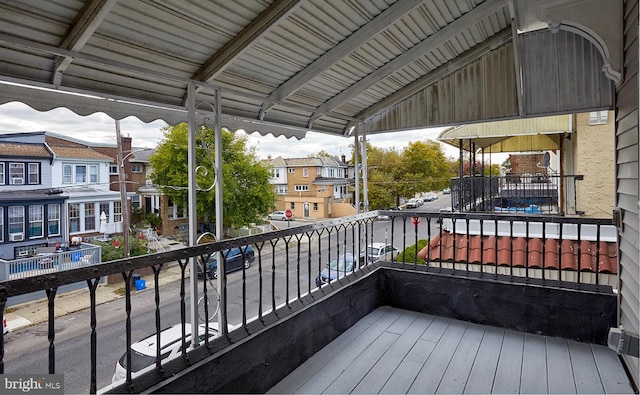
{"x":282,"y":66}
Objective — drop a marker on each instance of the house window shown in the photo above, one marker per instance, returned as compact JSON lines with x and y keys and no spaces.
{"x":74,"y":217}
{"x":34,"y":173}
{"x":93,"y":174}
{"x":135,"y":201}
{"x":282,"y":189}
{"x":36,"y":221}
{"x":89,"y":216}
{"x":276,"y":173}
{"x":598,"y":117}
{"x":1,"y":173}
{"x":291,"y":170}
{"x":319,"y":170}
{"x":53,"y":219}
{"x":16,"y":219}
{"x":16,"y":173}
{"x":104,"y":208}
{"x":113,"y":170}
{"x":67,"y":174}
{"x":292,"y":206}
{"x":305,"y":172}
{"x":81,"y":174}
{"x":117,"y":211}
{"x":315,"y":206}
{"x":136,"y":167}
{"x":301,"y":188}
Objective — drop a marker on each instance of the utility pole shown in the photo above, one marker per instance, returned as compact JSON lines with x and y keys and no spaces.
{"x":123,"y":193}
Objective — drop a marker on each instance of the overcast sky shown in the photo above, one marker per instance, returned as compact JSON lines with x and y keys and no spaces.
{"x":18,"y":117}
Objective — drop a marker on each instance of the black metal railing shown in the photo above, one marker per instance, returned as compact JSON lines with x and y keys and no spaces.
{"x":513,"y":193}
{"x":570,"y":250}
{"x":295,"y":262}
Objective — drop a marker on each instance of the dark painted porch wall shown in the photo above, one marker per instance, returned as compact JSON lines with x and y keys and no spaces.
{"x":254,"y":360}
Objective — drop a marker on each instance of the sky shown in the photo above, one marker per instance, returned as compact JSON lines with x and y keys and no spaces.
{"x":100,"y":128}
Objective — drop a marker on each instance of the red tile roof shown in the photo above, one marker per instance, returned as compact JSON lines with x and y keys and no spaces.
{"x":568,"y":255}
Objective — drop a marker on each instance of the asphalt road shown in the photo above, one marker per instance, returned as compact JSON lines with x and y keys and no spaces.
{"x":27,"y":350}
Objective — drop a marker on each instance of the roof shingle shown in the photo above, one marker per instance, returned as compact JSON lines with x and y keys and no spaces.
{"x":517,"y":252}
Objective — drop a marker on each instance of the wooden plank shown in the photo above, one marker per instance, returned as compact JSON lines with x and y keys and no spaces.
{"x":484,"y":367}
{"x":507,"y":378}
{"x":457,"y":373}
{"x":349,"y":352}
{"x":310,"y":367}
{"x":403,"y":376}
{"x":402,"y":323}
{"x":534,"y":365}
{"x":612,"y":373}
{"x":585,"y":371}
{"x":350,"y":377}
{"x":559,"y":370}
{"x":434,"y":368}
{"x":377,"y":377}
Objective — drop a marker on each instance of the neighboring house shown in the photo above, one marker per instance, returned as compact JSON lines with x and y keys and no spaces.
{"x":31,"y":210}
{"x":174,"y":218}
{"x":312,"y":187}
{"x":65,"y":186}
{"x":83,"y":174}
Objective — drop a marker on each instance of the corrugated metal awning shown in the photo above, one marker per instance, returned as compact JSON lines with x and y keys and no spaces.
{"x":517,"y":135}
{"x":290,"y":66}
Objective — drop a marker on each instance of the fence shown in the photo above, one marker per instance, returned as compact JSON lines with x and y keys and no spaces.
{"x":86,"y":255}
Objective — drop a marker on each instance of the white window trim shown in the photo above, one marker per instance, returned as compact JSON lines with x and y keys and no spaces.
{"x":35,"y":221}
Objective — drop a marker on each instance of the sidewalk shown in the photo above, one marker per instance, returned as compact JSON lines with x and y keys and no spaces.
{"x":35,"y":312}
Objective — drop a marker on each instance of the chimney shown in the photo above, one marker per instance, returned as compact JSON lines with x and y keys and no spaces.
{"x":344,"y":159}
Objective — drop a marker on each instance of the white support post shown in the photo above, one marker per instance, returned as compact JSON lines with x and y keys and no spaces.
{"x":193,"y":211}
{"x":222,"y":313}
{"x":365,"y":181}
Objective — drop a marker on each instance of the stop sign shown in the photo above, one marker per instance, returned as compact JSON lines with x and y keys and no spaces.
{"x":288,"y":214}
{"x":415,"y":221}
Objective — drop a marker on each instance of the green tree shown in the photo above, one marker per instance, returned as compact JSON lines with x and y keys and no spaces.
{"x":247,"y":193}
{"x":424,"y":168}
{"x":382,"y":165}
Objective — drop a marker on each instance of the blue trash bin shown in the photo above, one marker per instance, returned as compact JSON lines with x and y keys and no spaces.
{"x":141,"y":284}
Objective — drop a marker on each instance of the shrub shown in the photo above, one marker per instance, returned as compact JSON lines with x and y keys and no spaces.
{"x":409,"y":254}
{"x":154,"y":220}
{"x":111,"y":253}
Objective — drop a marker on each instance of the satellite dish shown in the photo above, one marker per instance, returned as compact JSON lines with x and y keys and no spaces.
{"x":546,"y":159}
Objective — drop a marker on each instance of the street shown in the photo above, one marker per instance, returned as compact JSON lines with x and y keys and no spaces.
{"x":26,"y":350}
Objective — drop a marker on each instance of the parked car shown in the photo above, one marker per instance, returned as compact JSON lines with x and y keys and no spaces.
{"x":280,"y":216}
{"x":412,"y":203}
{"x":336,"y":269}
{"x":431,"y":196}
{"x":143,"y":353}
{"x":446,"y":191}
{"x":235,"y":258}
{"x":5,"y":328}
{"x":377,"y":251}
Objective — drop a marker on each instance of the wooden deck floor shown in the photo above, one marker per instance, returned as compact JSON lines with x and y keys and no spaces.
{"x":398,"y":351}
